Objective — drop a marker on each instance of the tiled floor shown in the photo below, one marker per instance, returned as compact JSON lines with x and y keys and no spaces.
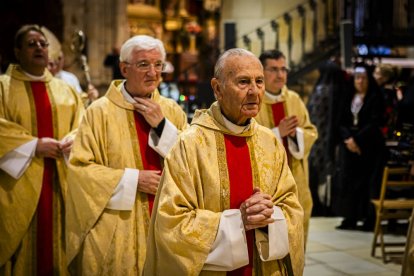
{"x":332,"y":252}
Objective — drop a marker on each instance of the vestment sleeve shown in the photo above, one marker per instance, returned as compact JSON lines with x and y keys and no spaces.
{"x":16,"y":161}
{"x":229,"y":250}
{"x":125,"y":192}
{"x":163,"y":144}
{"x":273,"y":245}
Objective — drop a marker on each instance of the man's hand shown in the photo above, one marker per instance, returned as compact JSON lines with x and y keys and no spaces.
{"x":66,"y":146}
{"x":287,"y":126}
{"x":148,"y":181}
{"x":352,"y":146}
{"x":93,"y":93}
{"x":150,"y":110}
{"x":48,"y":147}
{"x":257,"y":210}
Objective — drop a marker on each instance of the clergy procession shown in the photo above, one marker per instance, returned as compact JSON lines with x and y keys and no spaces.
{"x":206,"y":137}
{"x":126,"y":185}
{"x":127,"y":181}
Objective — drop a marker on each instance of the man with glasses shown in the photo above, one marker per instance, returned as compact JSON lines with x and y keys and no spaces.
{"x":116,"y":163}
{"x":38,"y":117}
{"x":284,"y":112}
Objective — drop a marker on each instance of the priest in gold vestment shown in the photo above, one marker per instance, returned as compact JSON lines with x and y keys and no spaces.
{"x":38,"y":117}
{"x":115,"y":165}
{"x":286,"y":115}
{"x":227,"y":202}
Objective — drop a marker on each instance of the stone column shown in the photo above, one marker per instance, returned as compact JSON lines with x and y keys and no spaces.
{"x":104,"y":23}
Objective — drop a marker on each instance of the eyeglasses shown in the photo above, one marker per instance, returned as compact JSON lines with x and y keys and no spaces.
{"x":145,"y":66}
{"x":38,"y":43}
{"x":277,"y":70}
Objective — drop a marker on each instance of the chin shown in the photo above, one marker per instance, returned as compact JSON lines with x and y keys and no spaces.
{"x":150,"y":89}
{"x":250,"y":114}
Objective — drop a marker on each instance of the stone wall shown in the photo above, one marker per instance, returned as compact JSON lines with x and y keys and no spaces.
{"x":104,"y":23}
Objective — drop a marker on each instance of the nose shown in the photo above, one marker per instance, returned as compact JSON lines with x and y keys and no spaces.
{"x":253,"y":89}
{"x":151,"y":71}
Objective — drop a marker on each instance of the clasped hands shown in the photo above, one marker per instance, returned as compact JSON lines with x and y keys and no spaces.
{"x":51,"y":148}
{"x":150,"y":110}
{"x":257,"y":210}
{"x":92,"y":92}
{"x":287,"y":126}
{"x":352,"y":146}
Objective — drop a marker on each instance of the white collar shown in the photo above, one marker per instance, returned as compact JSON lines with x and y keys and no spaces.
{"x":233,"y":127}
{"x":273,"y":97}
{"x":36,"y":78}
{"x":125,"y":93}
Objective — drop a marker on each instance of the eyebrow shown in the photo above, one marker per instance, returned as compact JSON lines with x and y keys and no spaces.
{"x":147,"y":60}
{"x":249,"y":78}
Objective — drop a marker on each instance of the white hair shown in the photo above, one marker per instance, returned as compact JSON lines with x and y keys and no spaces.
{"x":138,"y":43}
{"x":218,"y":69}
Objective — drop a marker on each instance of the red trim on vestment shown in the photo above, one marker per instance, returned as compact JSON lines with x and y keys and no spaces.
{"x":241,"y":187}
{"x":44,"y":246}
{"x":278,"y":112}
{"x":150,"y":158}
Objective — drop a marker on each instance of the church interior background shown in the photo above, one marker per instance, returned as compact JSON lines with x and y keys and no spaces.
{"x":195,"y":32}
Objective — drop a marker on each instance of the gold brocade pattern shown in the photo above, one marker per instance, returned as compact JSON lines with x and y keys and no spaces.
{"x":139,"y":165}
{"x":223,"y":172}
{"x":18,"y":126}
{"x":101,"y":241}
{"x":54,"y":110}
{"x":255,"y":169}
{"x":293,"y":105}
{"x":32,"y":107}
{"x":190,"y":198}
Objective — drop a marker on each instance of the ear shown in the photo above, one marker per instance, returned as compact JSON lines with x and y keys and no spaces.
{"x":123,"y":69}
{"x":215,"y":84}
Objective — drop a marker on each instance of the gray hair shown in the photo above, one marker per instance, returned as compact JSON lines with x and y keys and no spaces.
{"x":218,"y":69}
{"x":139,"y":43}
{"x":23,"y":31}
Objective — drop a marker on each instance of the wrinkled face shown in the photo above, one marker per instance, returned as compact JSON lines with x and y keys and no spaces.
{"x":141,"y":82}
{"x":361,"y":82}
{"x":240,"y":93}
{"x":275,"y":72}
{"x":33,"y":54}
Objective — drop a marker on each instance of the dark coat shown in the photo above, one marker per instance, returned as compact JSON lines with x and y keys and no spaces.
{"x":359,"y":176}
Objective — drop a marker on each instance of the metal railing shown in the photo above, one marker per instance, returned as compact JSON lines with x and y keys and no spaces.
{"x":307,"y":34}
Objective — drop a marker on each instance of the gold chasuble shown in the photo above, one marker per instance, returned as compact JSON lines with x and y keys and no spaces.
{"x":111,"y":138}
{"x":31,"y":207}
{"x":288,"y":104}
{"x":209,"y":170}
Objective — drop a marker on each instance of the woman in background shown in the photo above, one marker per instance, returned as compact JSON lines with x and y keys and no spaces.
{"x":361,"y":152}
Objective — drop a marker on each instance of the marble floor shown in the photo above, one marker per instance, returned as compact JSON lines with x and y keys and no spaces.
{"x":332,"y":252}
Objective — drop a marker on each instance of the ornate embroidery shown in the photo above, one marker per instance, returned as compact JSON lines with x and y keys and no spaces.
{"x":253,"y":162}
{"x":223,"y":173}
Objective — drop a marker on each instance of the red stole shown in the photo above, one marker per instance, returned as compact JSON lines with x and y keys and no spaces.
{"x":150,"y":158}
{"x":278,"y":112}
{"x":44,"y":242}
{"x":241,"y":187}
